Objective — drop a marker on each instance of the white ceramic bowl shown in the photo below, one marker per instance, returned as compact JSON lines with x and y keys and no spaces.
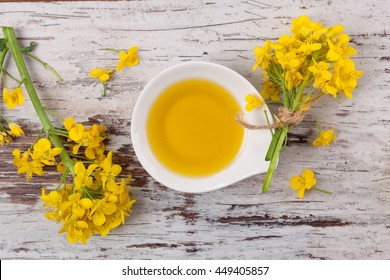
{"x":250,"y":159}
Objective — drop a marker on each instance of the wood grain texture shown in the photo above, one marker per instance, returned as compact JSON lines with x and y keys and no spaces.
{"x":238,"y":221}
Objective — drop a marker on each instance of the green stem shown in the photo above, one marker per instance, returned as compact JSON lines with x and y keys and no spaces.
{"x":47,"y":66}
{"x":63,"y":179}
{"x":12,"y":77}
{"x":272,"y":145}
{"x":318,"y":126}
{"x":60,"y":133}
{"x":104,"y":89}
{"x":37,"y":137}
{"x":286,"y":99}
{"x":5,"y":118}
{"x":53,"y":114}
{"x":14,"y":48}
{"x":299,"y":94}
{"x":111,"y":49}
{"x":274,"y":102}
{"x":2,"y":58}
{"x":321,"y":190}
{"x":274,"y":159}
{"x":266,"y":116}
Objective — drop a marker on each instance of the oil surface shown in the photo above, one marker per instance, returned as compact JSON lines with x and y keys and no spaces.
{"x":191,"y":128}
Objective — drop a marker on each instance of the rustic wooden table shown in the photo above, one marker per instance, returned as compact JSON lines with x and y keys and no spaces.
{"x":238,"y":221}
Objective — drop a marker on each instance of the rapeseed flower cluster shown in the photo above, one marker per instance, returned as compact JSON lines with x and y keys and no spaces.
{"x":312,"y":56}
{"x":298,"y":69}
{"x":92,"y":196}
{"x":97,"y":200}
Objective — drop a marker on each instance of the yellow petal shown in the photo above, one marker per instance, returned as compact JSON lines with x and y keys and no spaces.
{"x":86,"y":203}
{"x":95,"y":73}
{"x":104,"y":77}
{"x":294,"y":62}
{"x":16,"y":153}
{"x":75,"y":148}
{"x":82,"y":224}
{"x":20,"y":97}
{"x":51,"y":216}
{"x":332,"y":55}
{"x":132,"y":61}
{"x":301,"y":193}
{"x":132,"y":50}
{"x":99,"y":218}
{"x":109,"y":208}
{"x":76,"y":133}
{"x":68,"y":123}
{"x":328,"y":134}
{"x":310,"y":183}
{"x":111,"y":185}
{"x":44,"y":144}
{"x":79,"y":168}
{"x":296,"y":182}
{"x":358,"y":74}
{"x":120,"y":65}
{"x":116,"y":169}
{"x":90,"y":169}
{"x":317,"y":142}
{"x":122,"y":55}
{"x":315,"y":46}
{"x":55,"y":151}
{"x":78,"y":211}
{"x":307,"y":174}
{"x":6,"y":93}
{"x":72,"y":238}
{"x":90,"y":153}
{"x":249,"y":107}
{"x":74,"y":197}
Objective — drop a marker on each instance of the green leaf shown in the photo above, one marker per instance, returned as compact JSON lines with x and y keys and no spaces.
{"x":3,"y":44}
{"x":30,"y":48}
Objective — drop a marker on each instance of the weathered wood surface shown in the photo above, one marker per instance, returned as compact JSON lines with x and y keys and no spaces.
{"x":238,"y":221}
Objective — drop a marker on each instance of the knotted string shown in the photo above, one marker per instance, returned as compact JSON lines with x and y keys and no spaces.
{"x":285,"y":117}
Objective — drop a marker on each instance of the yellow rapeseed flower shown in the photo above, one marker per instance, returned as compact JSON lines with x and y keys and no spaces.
{"x":75,"y":130}
{"x":270,"y":91}
{"x":296,"y":79}
{"x":304,"y":182}
{"x":127,"y":59}
{"x":102,"y":74}
{"x":52,"y":200}
{"x":83,"y":175}
{"x":16,"y":130}
{"x":102,"y":208}
{"x":284,"y":42}
{"x":27,"y":166}
{"x":77,"y":230}
{"x":124,"y":205}
{"x":341,"y":49}
{"x":109,"y":172}
{"x":348,"y":76}
{"x":13,"y":97}
{"x":263,"y":55}
{"x":308,"y":46}
{"x":253,"y":102}
{"x":324,"y":138}
{"x":321,"y":73}
{"x":44,"y":153}
{"x":290,"y":59}
{"x":77,"y":205}
{"x":5,"y":138}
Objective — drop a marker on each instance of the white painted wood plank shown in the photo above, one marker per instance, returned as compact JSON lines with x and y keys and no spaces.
{"x":242,"y":222}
